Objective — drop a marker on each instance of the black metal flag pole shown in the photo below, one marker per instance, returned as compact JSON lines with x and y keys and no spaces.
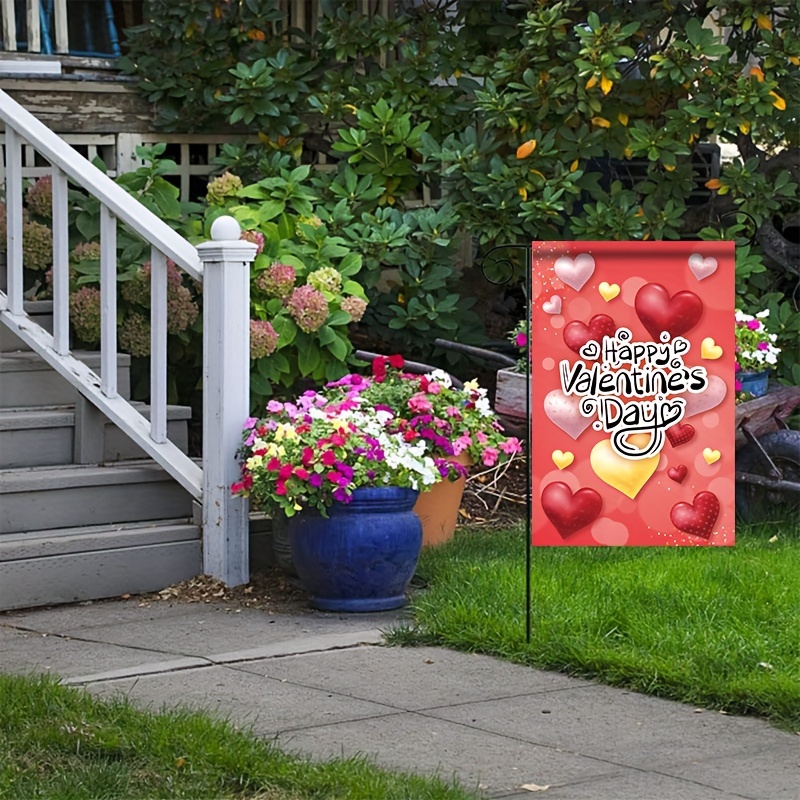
{"x":500,"y":270}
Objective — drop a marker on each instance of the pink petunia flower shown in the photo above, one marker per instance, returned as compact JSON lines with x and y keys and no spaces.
{"x":490,"y":455}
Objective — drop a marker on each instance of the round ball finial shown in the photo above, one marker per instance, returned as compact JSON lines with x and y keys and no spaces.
{"x":225,"y":229}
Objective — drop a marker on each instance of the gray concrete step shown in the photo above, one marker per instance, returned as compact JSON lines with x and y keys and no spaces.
{"x":26,"y":380}
{"x":65,"y":565}
{"x":42,"y":498}
{"x":38,"y":437}
{"x":40,"y":312}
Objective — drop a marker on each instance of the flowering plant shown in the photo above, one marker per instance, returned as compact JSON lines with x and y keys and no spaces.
{"x":755,"y":348}
{"x":519,"y":338}
{"x":315,"y":451}
{"x":449,"y":420}
{"x":390,"y":429}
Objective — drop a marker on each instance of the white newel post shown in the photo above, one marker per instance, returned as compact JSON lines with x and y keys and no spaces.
{"x":226,"y":397}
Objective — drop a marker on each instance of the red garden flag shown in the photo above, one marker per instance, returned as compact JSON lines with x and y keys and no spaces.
{"x":632,"y":348}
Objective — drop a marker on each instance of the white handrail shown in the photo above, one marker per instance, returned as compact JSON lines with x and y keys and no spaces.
{"x":82,"y":172}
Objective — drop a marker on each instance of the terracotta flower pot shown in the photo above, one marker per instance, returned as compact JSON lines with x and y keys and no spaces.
{"x":437,"y":508}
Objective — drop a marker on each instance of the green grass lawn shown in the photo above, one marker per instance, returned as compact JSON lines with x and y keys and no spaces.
{"x":61,"y":743}
{"x":716,"y":627}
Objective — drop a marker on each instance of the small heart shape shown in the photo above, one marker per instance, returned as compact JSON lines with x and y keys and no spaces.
{"x":710,"y":349}
{"x":711,"y":456}
{"x":561,"y":459}
{"x":570,"y":512}
{"x":677,"y":474}
{"x":702,"y":267}
{"x":680,"y":434}
{"x":697,"y":518}
{"x":574,"y":272}
{"x":553,"y":305}
{"x":608,"y":291}
{"x":577,"y":333}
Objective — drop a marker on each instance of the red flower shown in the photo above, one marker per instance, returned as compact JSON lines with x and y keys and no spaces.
{"x":328,"y":458}
{"x":397,"y":361}
{"x":285,"y":472}
{"x":301,"y":473}
{"x":308,"y":457}
{"x":335,"y":477}
{"x":337,"y":440}
{"x":409,"y":435}
{"x":274,"y":464}
{"x":379,"y":369}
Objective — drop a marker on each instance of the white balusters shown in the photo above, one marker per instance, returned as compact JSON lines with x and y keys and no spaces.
{"x":9,"y":25}
{"x":14,"y":253}
{"x":158,"y":346}
{"x":108,"y":302}
{"x":34,"y":27}
{"x":61,"y":29}
{"x":60,"y":263}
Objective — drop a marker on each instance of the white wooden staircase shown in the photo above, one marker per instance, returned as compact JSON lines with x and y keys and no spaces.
{"x":98,"y":496}
{"x":83,"y":512}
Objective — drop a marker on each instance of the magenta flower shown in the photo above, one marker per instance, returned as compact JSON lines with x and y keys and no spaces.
{"x":754,"y":325}
{"x":419,"y":403}
{"x":738,"y":386}
{"x":763,"y":345}
{"x":490,"y":455}
{"x":521,"y":340}
{"x":510,"y":446}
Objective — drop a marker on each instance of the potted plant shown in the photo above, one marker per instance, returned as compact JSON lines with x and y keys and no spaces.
{"x":346,"y":479}
{"x":755,"y":353}
{"x":511,"y":395}
{"x":456,"y":425}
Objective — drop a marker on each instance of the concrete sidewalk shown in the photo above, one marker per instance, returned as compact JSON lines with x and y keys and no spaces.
{"x":322,"y":684}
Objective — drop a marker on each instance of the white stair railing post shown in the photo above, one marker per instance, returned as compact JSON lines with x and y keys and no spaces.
{"x":226,"y":397}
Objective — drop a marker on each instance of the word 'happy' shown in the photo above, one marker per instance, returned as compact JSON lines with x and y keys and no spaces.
{"x":635,"y":370}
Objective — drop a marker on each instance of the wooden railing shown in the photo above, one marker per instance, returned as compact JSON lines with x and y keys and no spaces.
{"x":223,"y":267}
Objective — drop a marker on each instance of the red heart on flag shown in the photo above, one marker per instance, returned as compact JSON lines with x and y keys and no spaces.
{"x":697,"y":518}
{"x":660,"y":312}
{"x":680,"y":434}
{"x":678,"y":473}
{"x":570,"y":512}
{"x":577,"y":333}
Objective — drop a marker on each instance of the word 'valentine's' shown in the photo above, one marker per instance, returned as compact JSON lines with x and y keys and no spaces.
{"x":640,"y":370}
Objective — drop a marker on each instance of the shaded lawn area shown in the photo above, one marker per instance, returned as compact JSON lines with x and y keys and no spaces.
{"x":61,"y":743}
{"x":715,"y":627}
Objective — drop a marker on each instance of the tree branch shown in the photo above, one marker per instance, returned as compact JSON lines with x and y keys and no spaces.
{"x":778,"y":248}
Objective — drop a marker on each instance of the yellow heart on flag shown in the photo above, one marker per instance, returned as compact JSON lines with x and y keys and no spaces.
{"x":710,"y":349}
{"x":562,"y":460}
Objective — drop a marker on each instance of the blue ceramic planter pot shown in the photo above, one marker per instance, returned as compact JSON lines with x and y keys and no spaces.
{"x":754,"y":382}
{"x":362,"y":557}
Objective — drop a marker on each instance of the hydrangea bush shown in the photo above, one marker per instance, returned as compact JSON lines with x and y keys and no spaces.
{"x":304,"y":280}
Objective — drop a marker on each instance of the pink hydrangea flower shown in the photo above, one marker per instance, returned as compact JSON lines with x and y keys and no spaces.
{"x":263,"y":339}
{"x":308,"y":307}
{"x":277,"y":280}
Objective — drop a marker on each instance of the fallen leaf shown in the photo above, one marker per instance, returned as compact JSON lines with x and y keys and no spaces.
{"x":428,"y":661}
{"x":125,"y":596}
{"x":698,"y":711}
{"x":534,"y":787}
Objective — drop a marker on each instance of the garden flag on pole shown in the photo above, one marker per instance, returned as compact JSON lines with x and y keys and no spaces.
{"x":632,"y":381}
